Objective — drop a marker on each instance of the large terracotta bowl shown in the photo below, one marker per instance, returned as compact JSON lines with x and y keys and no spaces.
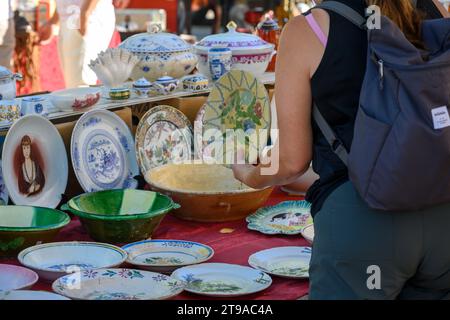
{"x":206,"y":193}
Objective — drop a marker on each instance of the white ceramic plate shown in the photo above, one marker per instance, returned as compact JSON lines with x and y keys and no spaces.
{"x":102,"y":150}
{"x":166,"y":255}
{"x":16,"y":277}
{"x":222,"y":279}
{"x":3,"y":191}
{"x":38,"y":175}
{"x":117,"y":284}
{"x":30,"y":295}
{"x":54,"y":260}
{"x":286,"y":262}
{"x":308,"y":233}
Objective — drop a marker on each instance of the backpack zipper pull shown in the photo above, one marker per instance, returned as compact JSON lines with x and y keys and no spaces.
{"x":381,"y":72}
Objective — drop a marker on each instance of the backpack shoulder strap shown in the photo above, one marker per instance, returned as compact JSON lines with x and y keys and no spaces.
{"x":345,"y":11}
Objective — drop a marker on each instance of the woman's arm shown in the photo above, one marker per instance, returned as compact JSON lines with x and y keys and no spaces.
{"x":87,"y":7}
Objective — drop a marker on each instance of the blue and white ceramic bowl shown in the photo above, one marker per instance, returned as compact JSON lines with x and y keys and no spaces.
{"x":36,"y":105}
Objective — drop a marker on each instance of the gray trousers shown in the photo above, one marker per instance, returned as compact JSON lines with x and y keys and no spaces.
{"x":359,"y":253}
{"x":7,"y":42}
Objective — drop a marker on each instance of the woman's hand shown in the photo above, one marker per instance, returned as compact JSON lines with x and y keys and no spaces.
{"x":244,"y":173}
{"x":45,"y":32}
{"x":84,"y":18}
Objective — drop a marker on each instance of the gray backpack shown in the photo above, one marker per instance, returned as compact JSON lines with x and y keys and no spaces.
{"x":400,"y":154}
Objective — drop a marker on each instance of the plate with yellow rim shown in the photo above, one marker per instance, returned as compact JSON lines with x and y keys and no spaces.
{"x":239,"y":104}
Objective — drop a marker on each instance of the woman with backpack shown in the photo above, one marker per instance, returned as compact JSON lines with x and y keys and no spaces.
{"x":363,"y":249}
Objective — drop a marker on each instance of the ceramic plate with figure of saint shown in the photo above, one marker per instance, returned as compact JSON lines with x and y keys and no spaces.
{"x":288,"y":217}
{"x":35,"y":166}
{"x":102,"y":150}
{"x":164,"y":135}
{"x":3,"y":191}
{"x":238,"y":104}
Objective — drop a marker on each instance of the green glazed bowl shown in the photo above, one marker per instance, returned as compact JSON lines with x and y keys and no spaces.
{"x":23,"y":226}
{"x":120,"y":216}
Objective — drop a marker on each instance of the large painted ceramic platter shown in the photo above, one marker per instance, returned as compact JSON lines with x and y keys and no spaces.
{"x":164,"y":135}
{"x":222,"y":279}
{"x":286,"y":262}
{"x":117,"y":284}
{"x":53,"y":260}
{"x":199,"y":144}
{"x":4,"y":196}
{"x":288,"y":217}
{"x":16,"y":278}
{"x":238,"y":101}
{"x":30,"y":295}
{"x":103,"y":155}
{"x":166,"y":255}
{"x":35,"y":166}
{"x":308,"y":233}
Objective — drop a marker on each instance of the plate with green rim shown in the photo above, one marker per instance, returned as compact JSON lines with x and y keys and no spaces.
{"x":286,"y":262}
{"x":288,"y":217}
{"x":222,"y":279}
{"x":166,"y":255}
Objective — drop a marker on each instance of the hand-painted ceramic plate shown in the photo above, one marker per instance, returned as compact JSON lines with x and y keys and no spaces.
{"x":164,"y":135}
{"x":117,"y":284}
{"x":3,"y":191}
{"x":35,"y":163}
{"x":16,"y":278}
{"x":222,"y":279}
{"x":286,"y":262}
{"x":102,"y":150}
{"x":238,"y":101}
{"x":30,"y":295}
{"x":54,"y":260}
{"x":308,"y":233}
{"x":166,"y":255}
{"x":198,"y":133}
{"x":288,"y":217}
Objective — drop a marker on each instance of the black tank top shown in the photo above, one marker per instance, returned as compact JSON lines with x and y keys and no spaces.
{"x":336,"y":87}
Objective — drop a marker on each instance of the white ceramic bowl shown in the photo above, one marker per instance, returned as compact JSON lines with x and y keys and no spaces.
{"x":16,"y":278}
{"x":54,"y":260}
{"x":30,"y":295}
{"x":75,"y":98}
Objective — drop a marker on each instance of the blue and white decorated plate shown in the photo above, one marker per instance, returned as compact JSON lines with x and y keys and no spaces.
{"x":102,"y":150}
{"x":3,"y":191}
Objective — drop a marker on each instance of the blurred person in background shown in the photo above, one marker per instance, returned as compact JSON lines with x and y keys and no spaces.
{"x":7,"y":32}
{"x":201,"y":13}
{"x":86,"y":29}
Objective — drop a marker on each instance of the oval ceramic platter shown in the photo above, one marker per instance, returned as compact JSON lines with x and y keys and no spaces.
{"x":166,"y":255}
{"x":117,"y":284}
{"x":3,"y":191}
{"x":286,"y":262}
{"x":308,"y":233}
{"x":102,"y":150}
{"x":164,"y":135}
{"x":288,"y":217}
{"x":16,"y":278}
{"x":238,"y":101}
{"x":30,"y":295}
{"x":35,"y":165}
{"x":222,"y":279}
{"x":54,"y":260}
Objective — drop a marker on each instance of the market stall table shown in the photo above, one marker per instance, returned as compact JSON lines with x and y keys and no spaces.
{"x":231,"y":241}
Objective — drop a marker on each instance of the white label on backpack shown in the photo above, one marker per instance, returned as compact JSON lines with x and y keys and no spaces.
{"x":441,"y":119}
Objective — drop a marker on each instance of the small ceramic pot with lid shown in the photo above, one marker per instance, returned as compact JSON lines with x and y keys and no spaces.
{"x":8,"y":83}
{"x":142,"y":87}
{"x":166,"y":85}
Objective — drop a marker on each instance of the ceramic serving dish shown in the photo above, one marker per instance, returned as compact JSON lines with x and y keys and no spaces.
{"x":54,"y":260}
{"x":4,"y":196}
{"x":22,"y":227}
{"x":160,"y":54}
{"x":75,"y":99}
{"x":36,"y":105}
{"x":30,"y":295}
{"x":117,"y":284}
{"x":120,"y":216}
{"x":8,"y":83}
{"x":249,"y":52}
{"x":195,"y":82}
{"x":35,"y":166}
{"x":206,"y":192}
{"x":285,"y":262}
{"x":308,"y":233}
{"x":16,"y":278}
{"x":166,"y":255}
{"x":164,"y":135}
{"x":10,"y":111}
{"x":288,"y":217}
{"x":222,"y":279}
{"x":166,"y":85}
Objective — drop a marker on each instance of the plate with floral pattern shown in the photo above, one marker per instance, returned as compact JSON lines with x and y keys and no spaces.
{"x":238,"y":102}
{"x":102,"y":150}
{"x":222,"y":279}
{"x":3,"y":191}
{"x":288,"y":217}
{"x":166,"y":255}
{"x":117,"y":284}
{"x":308,"y":233}
{"x":164,"y":135}
{"x":286,"y":262}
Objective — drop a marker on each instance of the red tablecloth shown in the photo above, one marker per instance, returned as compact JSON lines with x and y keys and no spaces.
{"x":233,"y":247}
